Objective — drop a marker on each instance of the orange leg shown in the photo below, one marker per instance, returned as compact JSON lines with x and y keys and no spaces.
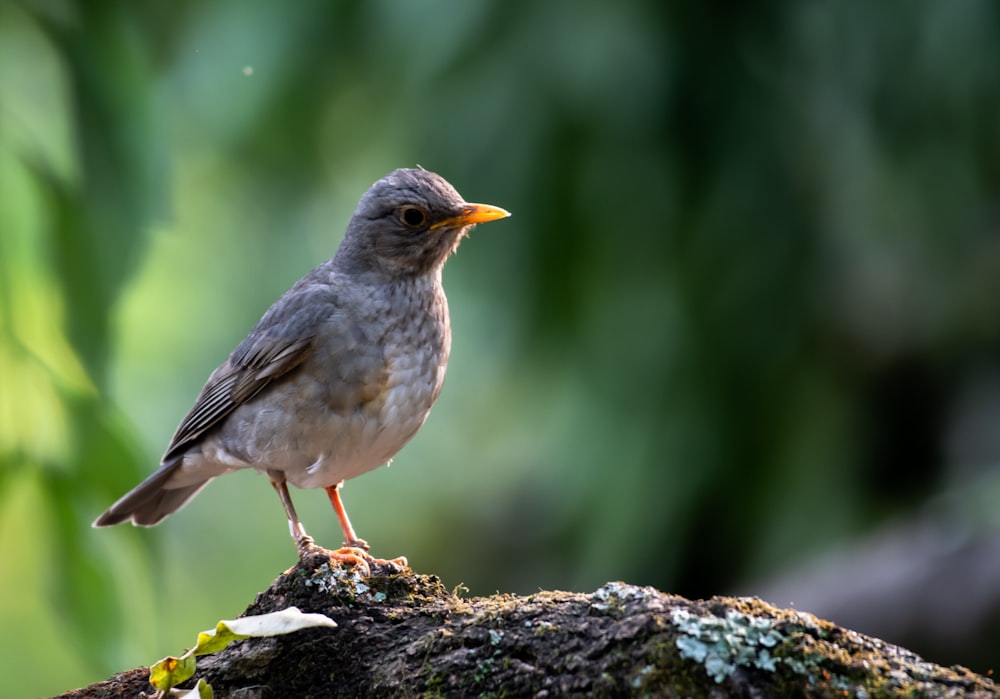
{"x":304,"y":543}
{"x":350,"y":538}
{"x":356,"y":549}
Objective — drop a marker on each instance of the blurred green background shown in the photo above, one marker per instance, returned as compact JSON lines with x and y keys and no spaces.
{"x":741,"y":335}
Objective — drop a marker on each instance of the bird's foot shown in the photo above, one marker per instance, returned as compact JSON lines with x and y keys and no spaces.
{"x":313,"y":555}
{"x":357,"y":551}
{"x":352,"y":555}
{"x":358,"y":544}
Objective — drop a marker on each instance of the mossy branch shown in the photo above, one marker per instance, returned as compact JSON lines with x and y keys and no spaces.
{"x":402,"y":634}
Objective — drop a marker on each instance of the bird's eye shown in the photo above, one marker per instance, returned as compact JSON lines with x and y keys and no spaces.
{"x":413,"y":216}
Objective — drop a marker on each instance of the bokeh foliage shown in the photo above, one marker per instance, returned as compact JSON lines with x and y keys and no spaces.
{"x":745,"y":311}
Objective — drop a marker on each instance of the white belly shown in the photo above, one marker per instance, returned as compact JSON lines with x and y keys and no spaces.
{"x":362,"y":442}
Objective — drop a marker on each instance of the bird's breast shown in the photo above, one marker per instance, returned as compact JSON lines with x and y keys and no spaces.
{"x":379,"y":386}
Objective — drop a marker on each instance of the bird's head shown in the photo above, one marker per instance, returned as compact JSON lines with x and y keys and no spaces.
{"x":408,"y":223}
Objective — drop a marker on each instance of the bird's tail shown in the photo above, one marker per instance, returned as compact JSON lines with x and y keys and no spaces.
{"x":153,"y":499}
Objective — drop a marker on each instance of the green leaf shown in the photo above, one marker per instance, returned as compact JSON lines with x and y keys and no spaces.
{"x":216,"y":639}
{"x":171,"y":671}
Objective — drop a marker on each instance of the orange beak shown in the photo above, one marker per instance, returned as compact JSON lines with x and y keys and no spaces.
{"x":472,"y":214}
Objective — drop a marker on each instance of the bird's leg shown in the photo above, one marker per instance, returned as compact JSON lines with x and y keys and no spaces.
{"x":351,"y":539}
{"x":353,"y":544}
{"x":303,"y":542}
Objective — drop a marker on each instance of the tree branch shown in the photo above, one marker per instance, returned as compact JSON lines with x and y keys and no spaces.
{"x":402,"y":634}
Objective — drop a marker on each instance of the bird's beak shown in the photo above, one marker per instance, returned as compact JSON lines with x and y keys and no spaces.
{"x":472,"y":214}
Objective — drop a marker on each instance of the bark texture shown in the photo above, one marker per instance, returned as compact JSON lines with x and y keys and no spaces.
{"x":403,"y":634}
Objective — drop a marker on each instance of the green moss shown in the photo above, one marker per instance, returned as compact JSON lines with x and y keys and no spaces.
{"x":483,"y":669}
{"x":434,"y":682}
{"x":540,"y":627}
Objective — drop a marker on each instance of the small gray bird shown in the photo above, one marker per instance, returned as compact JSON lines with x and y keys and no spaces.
{"x":340,"y":372}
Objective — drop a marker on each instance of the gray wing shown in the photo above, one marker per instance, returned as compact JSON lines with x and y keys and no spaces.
{"x":282,"y":341}
{"x":259,"y":360}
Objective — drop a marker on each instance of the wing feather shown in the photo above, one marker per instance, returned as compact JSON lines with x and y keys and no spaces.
{"x":257,"y":362}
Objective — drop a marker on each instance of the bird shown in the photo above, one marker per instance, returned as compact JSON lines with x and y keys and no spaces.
{"x":339,"y":373}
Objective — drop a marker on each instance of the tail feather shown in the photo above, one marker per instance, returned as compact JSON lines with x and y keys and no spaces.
{"x":152,"y":500}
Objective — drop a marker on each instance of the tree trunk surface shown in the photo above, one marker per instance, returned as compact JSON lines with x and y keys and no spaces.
{"x":400,"y":634}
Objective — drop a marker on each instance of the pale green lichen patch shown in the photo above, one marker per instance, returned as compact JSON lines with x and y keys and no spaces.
{"x":342,"y":582}
{"x":613,"y":596}
{"x":785,"y":649}
{"x":751,"y":634}
{"x":721,"y":644}
{"x":640,"y":677}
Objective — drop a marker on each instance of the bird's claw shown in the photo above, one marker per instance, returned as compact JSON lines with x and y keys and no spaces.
{"x":353,"y":554}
